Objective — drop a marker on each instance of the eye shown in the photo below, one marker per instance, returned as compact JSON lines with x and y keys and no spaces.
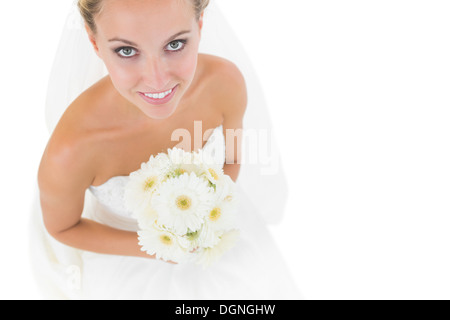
{"x":176,"y":45}
{"x":126,"y":52}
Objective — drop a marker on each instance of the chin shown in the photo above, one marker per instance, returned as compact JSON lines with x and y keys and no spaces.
{"x":158,"y":112}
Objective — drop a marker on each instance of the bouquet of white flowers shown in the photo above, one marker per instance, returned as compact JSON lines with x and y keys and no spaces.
{"x":185,"y":207}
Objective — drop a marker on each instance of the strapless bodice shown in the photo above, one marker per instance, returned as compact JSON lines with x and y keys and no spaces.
{"x":110,"y":195}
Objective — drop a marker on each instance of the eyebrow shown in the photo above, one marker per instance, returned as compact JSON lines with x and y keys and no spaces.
{"x":135,"y":45}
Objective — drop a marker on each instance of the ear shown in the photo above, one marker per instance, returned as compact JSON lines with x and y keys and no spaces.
{"x":200,"y":22}
{"x":92,"y":39}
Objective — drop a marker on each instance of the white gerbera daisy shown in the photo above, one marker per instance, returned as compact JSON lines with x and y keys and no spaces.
{"x":202,"y":238}
{"x":183,"y":202}
{"x":207,"y":256}
{"x":162,"y":243}
{"x":143,"y":182}
{"x":221,"y":217}
{"x":208,"y":166}
{"x":225,"y":189}
{"x":180,"y":162}
{"x":223,"y":214}
{"x":179,"y":156}
{"x":146,"y":217}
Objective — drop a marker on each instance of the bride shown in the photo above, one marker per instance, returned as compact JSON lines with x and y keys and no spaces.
{"x":157,"y":83}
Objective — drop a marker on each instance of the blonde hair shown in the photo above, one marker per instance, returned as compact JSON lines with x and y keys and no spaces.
{"x":89,"y":9}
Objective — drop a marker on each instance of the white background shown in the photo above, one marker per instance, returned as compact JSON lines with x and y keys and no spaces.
{"x":359,"y":95}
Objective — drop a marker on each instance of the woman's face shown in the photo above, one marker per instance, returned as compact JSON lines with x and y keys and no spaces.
{"x":150,"y":48}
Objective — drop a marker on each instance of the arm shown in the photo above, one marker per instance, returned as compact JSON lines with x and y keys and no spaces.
{"x":232,"y":169}
{"x":65,"y":172}
{"x":234,"y":104}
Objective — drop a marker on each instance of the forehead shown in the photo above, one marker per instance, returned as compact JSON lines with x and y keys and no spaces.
{"x":129,"y":18}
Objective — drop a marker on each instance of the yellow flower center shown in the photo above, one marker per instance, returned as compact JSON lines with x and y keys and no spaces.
{"x":192,"y":235}
{"x":179,"y":171}
{"x":215,"y":214}
{"x":149,"y":183}
{"x":183,"y":202}
{"x":213,"y":174}
{"x":165,"y":239}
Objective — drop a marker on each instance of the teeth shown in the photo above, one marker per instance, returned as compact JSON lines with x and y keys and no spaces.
{"x":158,"y":95}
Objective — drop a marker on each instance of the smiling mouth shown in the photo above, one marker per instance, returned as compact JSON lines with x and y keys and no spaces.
{"x":159,"y":97}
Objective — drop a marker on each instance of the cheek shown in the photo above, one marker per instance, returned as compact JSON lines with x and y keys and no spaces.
{"x":123,"y":76}
{"x":187,"y":66}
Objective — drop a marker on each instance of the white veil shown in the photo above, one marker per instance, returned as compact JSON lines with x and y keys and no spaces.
{"x":261,"y":177}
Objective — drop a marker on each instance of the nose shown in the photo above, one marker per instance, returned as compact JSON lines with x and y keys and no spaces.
{"x":155,"y":74}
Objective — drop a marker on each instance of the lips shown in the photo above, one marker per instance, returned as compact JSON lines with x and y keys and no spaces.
{"x":158,"y":98}
{"x":160,"y":95}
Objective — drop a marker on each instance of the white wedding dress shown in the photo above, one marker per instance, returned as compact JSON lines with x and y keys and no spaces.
{"x":253,"y":269}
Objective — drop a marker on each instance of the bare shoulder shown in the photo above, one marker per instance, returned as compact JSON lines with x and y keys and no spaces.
{"x":64,"y":174}
{"x":66,"y":163}
{"x":69,"y":162}
{"x":69,"y":157}
{"x":227,"y":82}
{"x":223,"y":73}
